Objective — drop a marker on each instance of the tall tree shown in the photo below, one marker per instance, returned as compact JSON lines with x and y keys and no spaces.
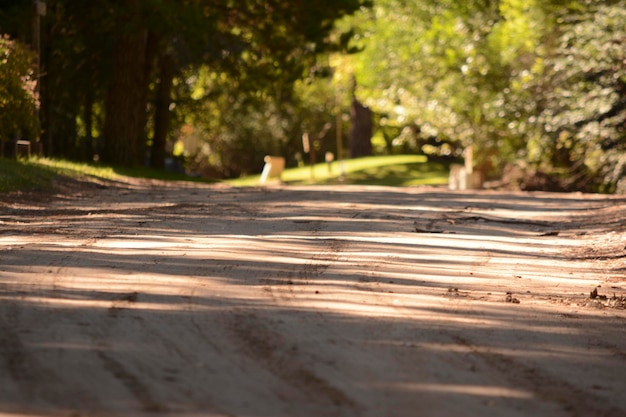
{"x":127,"y":91}
{"x":125,"y":103}
{"x":451,"y":68}
{"x":99,"y":65}
{"x":162,"y":112}
{"x":265,"y":45}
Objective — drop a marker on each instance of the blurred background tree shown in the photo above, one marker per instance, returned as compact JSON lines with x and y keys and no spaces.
{"x":18,"y":96}
{"x":535,"y":85}
{"x":117,"y":74}
{"x":583,"y":100}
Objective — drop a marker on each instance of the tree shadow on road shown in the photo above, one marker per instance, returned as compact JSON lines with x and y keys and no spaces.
{"x":311,"y":302}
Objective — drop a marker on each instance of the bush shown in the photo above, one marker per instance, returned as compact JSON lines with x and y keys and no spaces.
{"x":18,"y":96}
{"x":585,"y":110}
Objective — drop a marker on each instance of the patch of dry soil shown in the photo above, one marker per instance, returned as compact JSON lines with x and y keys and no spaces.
{"x":144,"y":298}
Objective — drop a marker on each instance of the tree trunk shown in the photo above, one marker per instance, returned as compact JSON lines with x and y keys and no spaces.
{"x":126,"y":101}
{"x":152,"y":46}
{"x":162,"y":113}
{"x":361,"y":130}
{"x":88,"y":149}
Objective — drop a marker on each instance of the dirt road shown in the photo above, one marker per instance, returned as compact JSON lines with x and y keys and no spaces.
{"x":195,"y":300}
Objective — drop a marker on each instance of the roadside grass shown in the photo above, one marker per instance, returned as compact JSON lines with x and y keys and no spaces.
{"x":24,"y":176}
{"x":108,"y":172}
{"x":36,"y":174}
{"x":391,"y":170}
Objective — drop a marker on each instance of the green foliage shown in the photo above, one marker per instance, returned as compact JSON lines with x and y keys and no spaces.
{"x":18,"y":97}
{"x":263,"y":47}
{"x":239,"y":128}
{"x":461,"y":61}
{"x":521,"y":80}
{"x":584,"y":115}
{"x":539,"y":83}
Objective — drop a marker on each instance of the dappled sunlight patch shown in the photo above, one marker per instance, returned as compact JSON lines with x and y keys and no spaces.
{"x":359,"y":304}
{"x":133,"y":246}
{"x":114,"y":302}
{"x":316,"y":290}
{"x":576,"y":354}
{"x":459,"y":389}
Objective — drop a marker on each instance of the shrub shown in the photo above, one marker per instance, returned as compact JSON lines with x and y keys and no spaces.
{"x":18,"y":95}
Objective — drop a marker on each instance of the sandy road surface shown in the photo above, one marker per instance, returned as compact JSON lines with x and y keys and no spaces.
{"x":192,"y":300}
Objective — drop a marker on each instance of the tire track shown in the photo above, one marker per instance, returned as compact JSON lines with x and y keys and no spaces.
{"x":132,"y":382}
{"x":575,"y":401}
{"x":322,"y":260}
{"x":104,"y":340}
{"x":258,"y":340}
{"x":21,"y":367}
{"x":28,"y":368}
{"x":282,"y":288}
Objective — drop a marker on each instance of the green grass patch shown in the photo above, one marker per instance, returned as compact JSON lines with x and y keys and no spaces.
{"x":75,"y":169}
{"x":390,"y":170}
{"x":40,"y":173}
{"x":35,"y":174}
{"x":78,"y":169}
{"x":397,"y":170}
{"x":24,"y":176}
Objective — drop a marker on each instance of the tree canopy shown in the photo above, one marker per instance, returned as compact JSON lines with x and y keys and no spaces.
{"x":113,"y":68}
{"x":534,"y":82}
{"x":537,"y":84}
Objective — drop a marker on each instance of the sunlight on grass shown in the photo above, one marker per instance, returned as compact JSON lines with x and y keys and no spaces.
{"x":76,"y":168}
{"x":36,"y":174}
{"x":394,"y":170}
{"x":397,"y":170}
{"x":39,"y":173}
{"x":109,"y":172}
{"x":23,"y":175}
